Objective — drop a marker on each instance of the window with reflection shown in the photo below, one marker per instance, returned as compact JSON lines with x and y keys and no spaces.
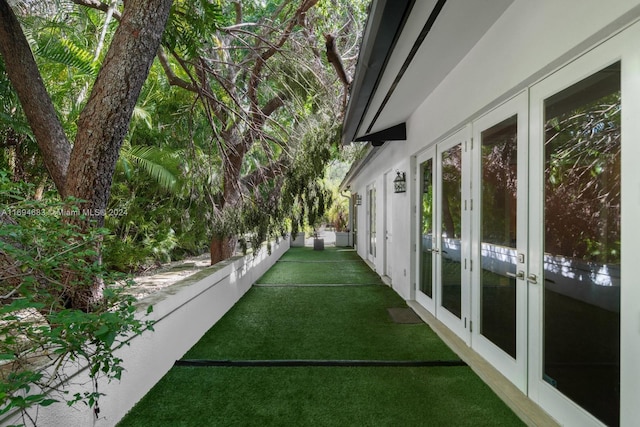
{"x":582,"y":243}
{"x":498,"y":234}
{"x":426,"y":229}
{"x":451,"y":227}
{"x":372,"y":222}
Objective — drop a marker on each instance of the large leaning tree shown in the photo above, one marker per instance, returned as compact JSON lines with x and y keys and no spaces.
{"x":274,"y":103}
{"x":84,"y":169}
{"x":53,"y":308}
{"x":260,"y":79}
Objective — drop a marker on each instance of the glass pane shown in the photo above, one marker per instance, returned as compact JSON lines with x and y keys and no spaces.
{"x":582,"y":243}
{"x":498,"y":234}
{"x":426,"y":230}
{"x":451,"y":227}
{"x":372,"y":222}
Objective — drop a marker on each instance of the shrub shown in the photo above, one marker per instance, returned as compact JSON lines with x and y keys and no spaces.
{"x":42,"y":259}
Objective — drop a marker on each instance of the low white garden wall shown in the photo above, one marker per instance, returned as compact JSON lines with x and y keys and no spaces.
{"x":183,"y":312}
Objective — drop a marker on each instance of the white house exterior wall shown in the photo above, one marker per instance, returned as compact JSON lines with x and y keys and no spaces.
{"x":391,"y":158}
{"x":529,"y":42}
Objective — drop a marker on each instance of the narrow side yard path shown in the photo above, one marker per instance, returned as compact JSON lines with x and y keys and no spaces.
{"x":320,"y":306}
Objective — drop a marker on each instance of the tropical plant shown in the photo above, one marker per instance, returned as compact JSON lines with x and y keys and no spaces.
{"x":263,"y":83}
{"x":41,"y":333}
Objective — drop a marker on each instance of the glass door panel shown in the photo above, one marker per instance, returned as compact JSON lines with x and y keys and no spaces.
{"x":498,"y":228}
{"x":372,"y":223}
{"x":451,"y":229}
{"x":427,"y":250}
{"x":581,"y":300}
{"x":500,"y":238}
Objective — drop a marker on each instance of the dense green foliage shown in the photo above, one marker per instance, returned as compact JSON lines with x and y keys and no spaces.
{"x":40,"y":334}
{"x":167,"y":194}
{"x":208,"y":97}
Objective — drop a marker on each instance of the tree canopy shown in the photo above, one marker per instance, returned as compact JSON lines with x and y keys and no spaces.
{"x":139,"y":131}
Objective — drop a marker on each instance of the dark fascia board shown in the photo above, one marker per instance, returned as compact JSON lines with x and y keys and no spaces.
{"x":394,"y":133}
{"x":356,"y":167}
{"x":384,"y":25}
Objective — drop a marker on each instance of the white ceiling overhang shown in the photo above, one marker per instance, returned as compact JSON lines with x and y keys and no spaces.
{"x":432,"y":37}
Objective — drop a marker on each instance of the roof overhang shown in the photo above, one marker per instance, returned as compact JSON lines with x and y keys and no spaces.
{"x":394,"y":133}
{"x":408,"y":49}
{"x":384,"y":26}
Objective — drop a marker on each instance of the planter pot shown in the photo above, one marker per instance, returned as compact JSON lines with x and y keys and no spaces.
{"x":342,"y":238}
{"x":298,"y":241}
{"x":318,"y":244}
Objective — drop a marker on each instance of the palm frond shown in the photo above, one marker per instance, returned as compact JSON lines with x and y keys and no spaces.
{"x":142,"y":114}
{"x":43,"y":8}
{"x":154,"y":161}
{"x":66,"y":53}
{"x":190,"y":24}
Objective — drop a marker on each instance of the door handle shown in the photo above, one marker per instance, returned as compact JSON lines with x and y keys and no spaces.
{"x":533,"y":279}
{"x":434,"y":250}
{"x":519,"y":275}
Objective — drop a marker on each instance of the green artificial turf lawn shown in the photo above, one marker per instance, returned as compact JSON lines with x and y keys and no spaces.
{"x":331,"y":266}
{"x":347,"y":322}
{"x":328,"y":254}
{"x":443,"y":396}
{"x":319,"y":322}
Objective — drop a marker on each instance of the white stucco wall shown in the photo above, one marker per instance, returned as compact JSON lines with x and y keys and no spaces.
{"x":390,"y":158}
{"x":530,"y":40}
{"x":183,"y":313}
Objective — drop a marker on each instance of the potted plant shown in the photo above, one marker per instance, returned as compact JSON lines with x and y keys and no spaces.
{"x":318,"y":242}
{"x":342,"y":231}
{"x":297,"y":239}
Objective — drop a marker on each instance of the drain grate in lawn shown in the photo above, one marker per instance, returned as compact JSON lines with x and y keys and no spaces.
{"x":404,"y":315}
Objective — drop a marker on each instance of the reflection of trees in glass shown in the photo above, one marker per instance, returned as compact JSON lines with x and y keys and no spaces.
{"x":499,"y":183}
{"x":427,"y":197}
{"x":582,"y":181}
{"x":451,"y":191}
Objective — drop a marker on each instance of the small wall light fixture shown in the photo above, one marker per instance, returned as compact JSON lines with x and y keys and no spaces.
{"x":400,"y":183}
{"x":358,"y":199}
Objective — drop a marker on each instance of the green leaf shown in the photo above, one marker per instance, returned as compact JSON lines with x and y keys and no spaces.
{"x":65,"y":52}
{"x":48,"y":402}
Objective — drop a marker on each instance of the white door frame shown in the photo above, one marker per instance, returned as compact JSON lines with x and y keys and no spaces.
{"x":371,"y":219}
{"x":514,"y":369}
{"x":423,"y":299}
{"x":460,"y":326}
{"x":388,"y":223}
{"x":624,"y":47}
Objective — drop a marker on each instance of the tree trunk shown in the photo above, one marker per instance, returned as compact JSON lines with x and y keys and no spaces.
{"x":104,"y":122}
{"x":86,"y":171}
{"x":36,"y":103}
{"x":222,"y":248}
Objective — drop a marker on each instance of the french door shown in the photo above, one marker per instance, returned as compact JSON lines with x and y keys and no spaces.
{"x":500,"y":238}
{"x":426,"y":247}
{"x":575,"y":228}
{"x":371,"y":223}
{"x":443,"y":253}
{"x":520,"y":247}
